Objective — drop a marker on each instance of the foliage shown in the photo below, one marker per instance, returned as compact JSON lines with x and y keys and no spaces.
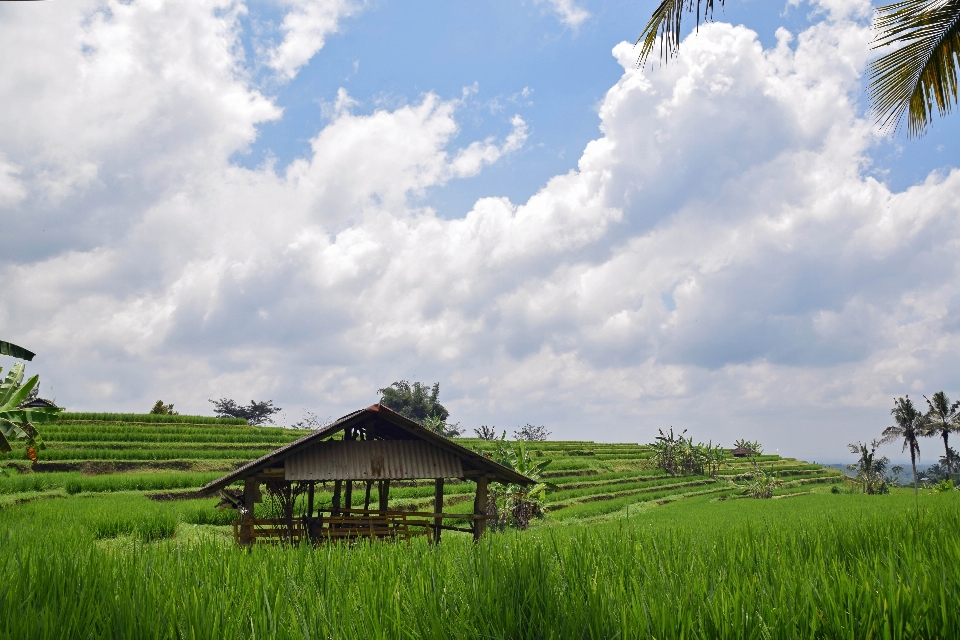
{"x":752,"y":445}
{"x":666,"y":21}
{"x":415,"y":401}
{"x":160,"y":409}
{"x":761,"y":483}
{"x":871,"y":470}
{"x":943,"y":486}
{"x":256,"y":413}
{"x":944,"y":418}
{"x":445,"y":429}
{"x":516,"y":504}
{"x":486,"y":433}
{"x":17,"y":420}
{"x":531,"y":433}
{"x":919,"y":73}
{"x":680,"y":456}
{"x":910,"y":426}
{"x":14,"y":351}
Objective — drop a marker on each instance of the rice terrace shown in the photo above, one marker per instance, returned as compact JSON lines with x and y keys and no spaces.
{"x":166,"y":526}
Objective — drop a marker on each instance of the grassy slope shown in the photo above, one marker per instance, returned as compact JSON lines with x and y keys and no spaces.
{"x":593,"y":479}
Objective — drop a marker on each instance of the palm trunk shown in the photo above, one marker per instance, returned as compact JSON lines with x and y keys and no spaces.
{"x":913,"y":463}
{"x":946,"y":450}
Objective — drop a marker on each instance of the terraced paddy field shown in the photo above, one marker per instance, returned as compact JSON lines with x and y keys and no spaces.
{"x":97,"y":453}
{"x":105,"y":537}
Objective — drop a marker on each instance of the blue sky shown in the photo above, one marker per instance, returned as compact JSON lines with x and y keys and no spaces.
{"x":306,"y":201}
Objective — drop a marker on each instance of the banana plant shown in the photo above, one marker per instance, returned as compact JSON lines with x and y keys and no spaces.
{"x":17,"y":419}
{"x":520,"y":501}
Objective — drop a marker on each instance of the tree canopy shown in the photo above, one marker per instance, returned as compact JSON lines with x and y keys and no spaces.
{"x":256,"y":413}
{"x":415,"y":401}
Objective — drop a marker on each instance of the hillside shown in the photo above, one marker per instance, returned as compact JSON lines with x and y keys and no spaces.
{"x":123,"y":452}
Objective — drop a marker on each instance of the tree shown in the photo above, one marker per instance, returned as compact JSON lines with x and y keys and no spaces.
{"x":944,"y":418}
{"x":256,"y":413}
{"x":911,"y":426}
{"x":19,"y":412}
{"x":871,"y":470}
{"x":920,"y":71}
{"x":531,"y":433}
{"x":163,"y":409}
{"x":486,"y":433}
{"x":415,"y":401}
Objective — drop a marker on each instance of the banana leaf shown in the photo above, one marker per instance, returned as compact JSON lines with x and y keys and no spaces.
{"x":10,"y":349}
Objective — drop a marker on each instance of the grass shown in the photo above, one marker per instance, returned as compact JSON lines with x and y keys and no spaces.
{"x":822,"y":565}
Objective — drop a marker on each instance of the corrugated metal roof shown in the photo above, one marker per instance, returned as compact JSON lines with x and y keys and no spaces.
{"x":372,"y":460}
{"x":468,"y":459}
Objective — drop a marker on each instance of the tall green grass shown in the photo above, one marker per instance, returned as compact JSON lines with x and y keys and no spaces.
{"x":814,"y":566}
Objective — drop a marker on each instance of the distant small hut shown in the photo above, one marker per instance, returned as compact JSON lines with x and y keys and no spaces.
{"x":370,"y":447}
{"x":742,"y":452}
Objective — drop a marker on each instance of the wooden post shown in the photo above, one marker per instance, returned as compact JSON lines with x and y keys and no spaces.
{"x":480,"y":508}
{"x":348,"y":495}
{"x":437,"y":507}
{"x":384,"y":491}
{"x":366,"y":498}
{"x":337,"y":484}
{"x":313,"y":485}
{"x":250,"y":490}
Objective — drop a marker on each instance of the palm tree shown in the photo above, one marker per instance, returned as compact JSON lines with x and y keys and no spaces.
{"x":918,"y":74}
{"x":911,"y":426}
{"x":944,"y":418}
{"x":871,"y":470}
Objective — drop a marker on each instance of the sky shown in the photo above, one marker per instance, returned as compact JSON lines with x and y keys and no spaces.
{"x":306,"y":201}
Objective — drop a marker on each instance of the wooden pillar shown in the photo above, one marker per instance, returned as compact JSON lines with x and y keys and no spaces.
{"x":366,"y":497}
{"x":437,"y":507}
{"x":337,"y":485}
{"x":348,"y":495}
{"x":251,"y":489}
{"x":384,"y":493}
{"x":480,"y":508}
{"x":313,"y":484}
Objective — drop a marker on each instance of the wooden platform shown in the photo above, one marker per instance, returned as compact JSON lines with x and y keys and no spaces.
{"x":350,"y":524}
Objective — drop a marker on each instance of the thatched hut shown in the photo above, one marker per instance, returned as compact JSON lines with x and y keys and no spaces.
{"x":372,"y":446}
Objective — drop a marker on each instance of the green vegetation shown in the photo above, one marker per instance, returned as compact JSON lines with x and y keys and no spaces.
{"x":814,"y":566}
{"x":627,"y":546}
{"x":147,"y":417}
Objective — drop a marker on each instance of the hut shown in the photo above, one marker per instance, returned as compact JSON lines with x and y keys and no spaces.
{"x":742,"y":452}
{"x":372,"y":446}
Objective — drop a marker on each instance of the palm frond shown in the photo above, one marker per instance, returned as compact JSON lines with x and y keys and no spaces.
{"x":666,"y":21}
{"x":922,"y":72}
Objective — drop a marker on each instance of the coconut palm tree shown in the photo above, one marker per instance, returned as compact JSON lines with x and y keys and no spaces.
{"x":916,"y":75}
{"x":944,"y":418}
{"x":911,"y":426}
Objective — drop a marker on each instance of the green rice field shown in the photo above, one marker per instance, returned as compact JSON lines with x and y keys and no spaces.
{"x":104,"y":539}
